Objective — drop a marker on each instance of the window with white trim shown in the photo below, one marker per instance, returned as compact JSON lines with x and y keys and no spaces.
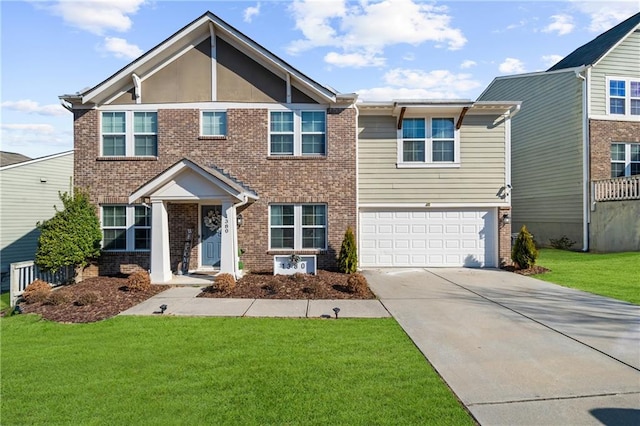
{"x":126,"y":228}
{"x":298,"y":226}
{"x":214,"y":123}
{"x":625,"y":159}
{"x":431,"y":141}
{"x":130,"y":134}
{"x":623,"y":96}
{"x":297,"y":133}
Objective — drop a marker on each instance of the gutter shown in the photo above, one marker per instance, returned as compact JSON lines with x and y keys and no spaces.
{"x":236,"y":258}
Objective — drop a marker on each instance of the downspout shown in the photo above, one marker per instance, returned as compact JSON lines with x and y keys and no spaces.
{"x":585,"y":157}
{"x":236,"y":258}
{"x":358,"y":245}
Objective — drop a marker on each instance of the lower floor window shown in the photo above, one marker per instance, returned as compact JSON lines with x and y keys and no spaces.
{"x":126,"y":228}
{"x":625,"y":159}
{"x":298,"y":226}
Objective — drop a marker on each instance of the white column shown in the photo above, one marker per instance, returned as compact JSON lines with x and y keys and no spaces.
{"x":160,"y":264}
{"x":228,"y":257}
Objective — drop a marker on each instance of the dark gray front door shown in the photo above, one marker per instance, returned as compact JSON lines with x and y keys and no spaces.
{"x":211,"y":235}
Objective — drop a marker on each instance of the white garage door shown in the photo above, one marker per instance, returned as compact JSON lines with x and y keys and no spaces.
{"x":427,"y":238}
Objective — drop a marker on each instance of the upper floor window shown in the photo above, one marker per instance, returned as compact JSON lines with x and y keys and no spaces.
{"x":214,"y":123}
{"x":298,"y":226}
{"x":297,"y":133}
{"x":623,"y":95}
{"x":128,"y":133}
{"x":625,"y":159}
{"x":428,"y":142}
{"x":126,"y":228}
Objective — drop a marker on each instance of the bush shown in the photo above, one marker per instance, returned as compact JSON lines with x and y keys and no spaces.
{"x":225,"y":282}
{"x":36,"y":292}
{"x":562,"y":243}
{"x":357,"y":283}
{"x":88,"y":298}
{"x":348,"y":258}
{"x":139,"y":281}
{"x":524,"y":252}
{"x":56,"y":298}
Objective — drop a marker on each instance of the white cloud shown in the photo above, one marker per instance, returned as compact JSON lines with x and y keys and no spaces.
{"x":250,"y":12}
{"x":605,"y":15}
{"x":32,"y":107}
{"x":562,"y":24}
{"x":550,"y":60}
{"x":97,"y":16}
{"x":468,"y":64}
{"x":365,"y":27}
{"x":120,"y":48}
{"x":43,"y":129}
{"x":419,"y":84}
{"x":354,"y":60}
{"x":511,"y":66}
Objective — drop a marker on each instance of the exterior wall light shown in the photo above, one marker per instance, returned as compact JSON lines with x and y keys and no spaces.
{"x":506,"y":219}
{"x":240,"y":220}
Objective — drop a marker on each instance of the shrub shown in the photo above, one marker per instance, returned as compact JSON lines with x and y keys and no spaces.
{"x":88,"y":298}
{"x":37,"y":291}
{"x":348,"y":258}
{"x":225,"y":282}
{"x":139,"y":281}
{"x":357,"y":283}
{"x":524,"y":252}
{"x":58,"y":298}
{"x":562,"y":243}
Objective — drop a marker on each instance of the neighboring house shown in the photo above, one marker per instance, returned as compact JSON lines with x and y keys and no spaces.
{"x":576,"y":143}
{"x":434,"y":183}
{"x":28,"y":193}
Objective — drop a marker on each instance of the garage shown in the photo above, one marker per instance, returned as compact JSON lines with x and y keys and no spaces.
{"x":428,"y":238}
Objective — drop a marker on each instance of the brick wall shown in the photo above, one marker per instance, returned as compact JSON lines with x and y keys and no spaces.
{"x":243,"y":154}
{"x":602,"y":135}
{"x":504,"y":238}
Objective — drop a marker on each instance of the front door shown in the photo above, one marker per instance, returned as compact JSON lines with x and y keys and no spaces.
{"x":211,"y":235}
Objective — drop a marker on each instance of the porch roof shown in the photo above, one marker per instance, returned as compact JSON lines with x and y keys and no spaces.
{"x":215,"y":176}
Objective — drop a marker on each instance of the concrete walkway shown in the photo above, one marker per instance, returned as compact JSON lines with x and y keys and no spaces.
{"x":519,"y":351}
{"x":182,"y":301}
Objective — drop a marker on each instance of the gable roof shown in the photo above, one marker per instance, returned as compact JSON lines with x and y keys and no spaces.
{"x":183,"y":39}
{"x":591,"y":52}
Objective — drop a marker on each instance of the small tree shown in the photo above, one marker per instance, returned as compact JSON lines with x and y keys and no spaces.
{"x":524,"y":251}
{"x":348,"y":258}
{"x":71,"y":237}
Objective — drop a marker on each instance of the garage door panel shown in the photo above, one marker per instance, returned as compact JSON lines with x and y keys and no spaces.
{"x":424,"y":238}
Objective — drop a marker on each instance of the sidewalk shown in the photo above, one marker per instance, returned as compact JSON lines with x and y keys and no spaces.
{"x":182,"y":301}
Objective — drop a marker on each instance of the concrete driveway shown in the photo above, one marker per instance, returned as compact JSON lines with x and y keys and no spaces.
{"x":519,"y":351}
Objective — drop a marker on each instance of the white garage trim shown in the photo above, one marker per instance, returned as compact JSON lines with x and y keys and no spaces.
{"x":428,"y":237}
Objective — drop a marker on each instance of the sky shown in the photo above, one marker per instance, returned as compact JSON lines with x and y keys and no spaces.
{"x":380,"y":49}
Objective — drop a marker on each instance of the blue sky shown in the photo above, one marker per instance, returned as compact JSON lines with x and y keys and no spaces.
{"x":382,"y":50}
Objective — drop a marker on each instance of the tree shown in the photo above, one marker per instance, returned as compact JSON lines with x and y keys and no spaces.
{"x":71,"y":237}
{"x":348,"y":258}
{"x":524,"y":251}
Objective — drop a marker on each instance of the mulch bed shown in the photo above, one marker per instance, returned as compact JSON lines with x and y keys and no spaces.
{"x":528,"y":271}
{"x":265,"y":285}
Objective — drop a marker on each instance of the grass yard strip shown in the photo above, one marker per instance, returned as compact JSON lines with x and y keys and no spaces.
{"x":615,"y":275}
{"x":249,"y":371}
{"x":5,"y":301}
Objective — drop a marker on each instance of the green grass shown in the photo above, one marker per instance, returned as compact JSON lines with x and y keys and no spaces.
{"x":5,"y":301}
{"x":615,"y":275}
{"x":171,"y":370}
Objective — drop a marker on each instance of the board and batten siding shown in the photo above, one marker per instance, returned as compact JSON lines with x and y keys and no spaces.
{"x":546,"y":152}
{"x":622,"y":61}
{"x":477,"y":180}
{"x":25,"y":200}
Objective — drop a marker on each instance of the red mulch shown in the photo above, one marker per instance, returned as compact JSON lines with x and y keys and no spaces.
{"x":265,"y":285}
{"x":534,"y":270}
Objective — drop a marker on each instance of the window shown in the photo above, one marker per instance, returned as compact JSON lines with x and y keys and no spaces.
{"x":126,"y":228}
{"x":625,"y":159}
{"x":128,"y":133}
{"x":214,"y":123}
{"x":623,"y":95}
{"x":427,"y":142}
{"x":297,"y":133}
{"x":296,"y":226}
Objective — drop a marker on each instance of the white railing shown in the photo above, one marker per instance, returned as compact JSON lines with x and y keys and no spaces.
{"x":618,"y":189}
{"x":24,"y":273}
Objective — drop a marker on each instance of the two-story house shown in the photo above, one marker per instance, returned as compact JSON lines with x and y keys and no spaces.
{"x":209,"y":145}
{"x":576,"y":143}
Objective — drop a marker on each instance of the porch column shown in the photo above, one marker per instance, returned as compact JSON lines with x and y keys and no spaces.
{"x":160,"y":264}
{"x":228,"y":234}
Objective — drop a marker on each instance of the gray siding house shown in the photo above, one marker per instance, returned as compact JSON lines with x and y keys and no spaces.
{"x":576,"y":144}
{"x":28,"y":192}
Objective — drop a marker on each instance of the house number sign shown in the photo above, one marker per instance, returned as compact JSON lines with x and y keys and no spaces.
{"x":226,"y":225}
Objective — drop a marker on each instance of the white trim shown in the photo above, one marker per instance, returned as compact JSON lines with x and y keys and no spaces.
{"x":427,"y":205}
{"x":623,"y":118}
{"x":428,"y":145}
{"x":298,"y":227}
{"x":507,"y":158}
{"x":585,"y":160}
{"x":129,"y":227}
{"x":137,"y":85}
{"x":36,"y":160}
{"x":214,"y":106}
{"x":627,"y":97}
{"x":214,"y":62}
{"x":202,"y":123}
{"x":129,"y":134}
{"x":297,"y":134}
{"x":618,"y":43}
{"x":436,"y":165}
{"x":288,"y":88}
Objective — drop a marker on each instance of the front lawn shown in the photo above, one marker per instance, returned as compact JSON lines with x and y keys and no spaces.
{"x":5,"y":301}
{"x":615,"y":275}
{"x":173,"y":370}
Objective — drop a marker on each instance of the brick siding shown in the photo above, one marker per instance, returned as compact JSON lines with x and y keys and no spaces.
{"x":602,"y":135}
{"x":504,"y":238}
